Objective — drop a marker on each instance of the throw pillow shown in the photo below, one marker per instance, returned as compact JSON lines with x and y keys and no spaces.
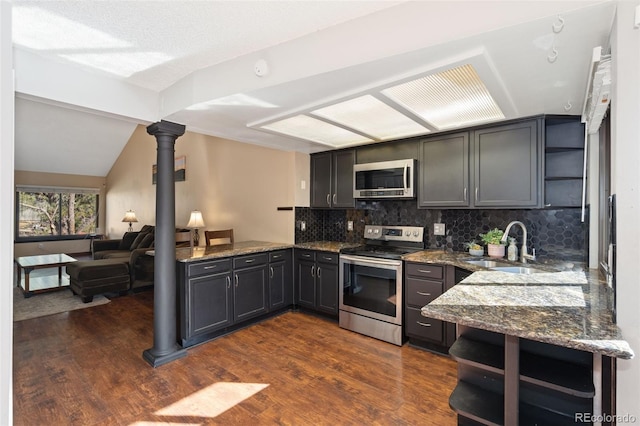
{"x":136,"y":243}
{"x":127,"y":240}
{"x":147,"y":241}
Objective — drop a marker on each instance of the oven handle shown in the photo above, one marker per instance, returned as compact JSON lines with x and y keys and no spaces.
{"x":368,"y":261}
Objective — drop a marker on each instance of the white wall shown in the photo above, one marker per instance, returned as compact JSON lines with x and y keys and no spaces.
{"x":625,"y":182}
{"x":6,"y":214}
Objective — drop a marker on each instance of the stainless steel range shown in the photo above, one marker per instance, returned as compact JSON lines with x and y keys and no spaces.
{"x":371,"y":281}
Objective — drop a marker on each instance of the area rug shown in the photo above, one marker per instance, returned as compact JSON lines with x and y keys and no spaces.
{"x":49,"y":303}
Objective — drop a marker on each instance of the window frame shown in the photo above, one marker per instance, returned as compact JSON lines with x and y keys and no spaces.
{"x":52,"y":189}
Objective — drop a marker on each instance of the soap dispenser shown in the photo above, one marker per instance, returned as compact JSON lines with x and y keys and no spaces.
{"x":512,"y":250}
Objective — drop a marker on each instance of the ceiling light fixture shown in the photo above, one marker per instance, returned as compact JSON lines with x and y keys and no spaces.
{"x":313,"y":129}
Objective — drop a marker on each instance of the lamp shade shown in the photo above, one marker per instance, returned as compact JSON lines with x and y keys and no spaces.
{"x":195,"y":221}
{"x":130,"y":216}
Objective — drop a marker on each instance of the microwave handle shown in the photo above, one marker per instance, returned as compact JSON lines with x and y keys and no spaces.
{"x":406,"y":186}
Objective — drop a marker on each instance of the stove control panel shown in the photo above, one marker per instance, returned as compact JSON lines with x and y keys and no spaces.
{"x":394,"y":233}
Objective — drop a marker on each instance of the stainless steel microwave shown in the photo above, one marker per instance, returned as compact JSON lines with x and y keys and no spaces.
{"x":385,"y":179}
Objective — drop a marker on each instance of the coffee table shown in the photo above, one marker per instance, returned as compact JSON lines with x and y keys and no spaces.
{"x":29,"y":263}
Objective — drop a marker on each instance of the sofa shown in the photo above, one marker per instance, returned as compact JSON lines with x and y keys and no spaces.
{"x":131,"y":248}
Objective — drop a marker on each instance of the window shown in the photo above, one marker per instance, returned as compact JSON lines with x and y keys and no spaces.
{"x":53,"y":213}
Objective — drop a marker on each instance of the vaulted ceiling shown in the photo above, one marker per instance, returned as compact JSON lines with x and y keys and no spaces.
{"x":88,"y":72}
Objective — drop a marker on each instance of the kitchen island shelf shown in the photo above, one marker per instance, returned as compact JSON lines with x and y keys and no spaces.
{"x":547,"y":372}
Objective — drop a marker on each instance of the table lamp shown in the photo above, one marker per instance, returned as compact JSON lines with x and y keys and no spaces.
{"x":130,"y":216}
{"x":195,"y":222}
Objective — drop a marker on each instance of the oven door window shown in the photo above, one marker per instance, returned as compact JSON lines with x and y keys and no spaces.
{"x":369,"y":288}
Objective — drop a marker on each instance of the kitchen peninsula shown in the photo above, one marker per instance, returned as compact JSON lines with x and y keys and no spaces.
{"x":538,"y":347}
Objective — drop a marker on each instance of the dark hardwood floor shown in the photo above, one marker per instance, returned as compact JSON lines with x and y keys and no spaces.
{"x":85,"y":367}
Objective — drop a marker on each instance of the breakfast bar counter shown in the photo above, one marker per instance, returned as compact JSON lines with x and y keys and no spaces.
{"x":536,"y":348}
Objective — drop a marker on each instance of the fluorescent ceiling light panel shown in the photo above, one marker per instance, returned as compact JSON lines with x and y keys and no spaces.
{"x":312,"y":129}
{"x":453,"y":98}
{"x":371,"y":116}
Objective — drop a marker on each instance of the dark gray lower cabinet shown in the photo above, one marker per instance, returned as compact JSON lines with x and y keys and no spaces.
{"x":423,"y":283}
{"x":218,"y":296}
{"x":317,"y":280}
{"x":280,"y":283}
{"x":250,"y":281}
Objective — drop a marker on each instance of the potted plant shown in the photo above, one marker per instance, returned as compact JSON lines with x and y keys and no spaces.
{"x":474,"y":248}
{"x":493,"y":240}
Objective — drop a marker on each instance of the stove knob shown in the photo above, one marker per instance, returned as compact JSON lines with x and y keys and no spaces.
{"x":376,"y":231}
{"x":416,"y":233}
{"x":369,"y":231}
{"x":407,"y":233}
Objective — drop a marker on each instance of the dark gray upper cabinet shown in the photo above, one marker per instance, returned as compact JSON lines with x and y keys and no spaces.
{"x":507,"y":165}
{"x":443,"y":172}
{"x":397,"y":150}
{"x":332,"y":179}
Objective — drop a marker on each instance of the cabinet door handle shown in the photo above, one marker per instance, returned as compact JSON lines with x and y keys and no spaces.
{"x":306,"y":255}
{"x":271,"y":272}
{"x":249,"y":261}
{"x":423,"y":324}
{"x":318,"y":272}
{"x":335,"y":198}
{"x":328,"y":199}
{"x":211,"y":267}
{"x":423,"y":294}
{"x":228,"y":281}
{"x":465,"y":193}
{"x":476,"y":193}
{"x":313,"y":271}
{"x":236,"y":280}
{"x":425,"y":271}
{"x":328,"y":259}
{"x":277,"y":256}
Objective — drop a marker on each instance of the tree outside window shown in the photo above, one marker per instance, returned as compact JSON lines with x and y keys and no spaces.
{"x":55,"y":213}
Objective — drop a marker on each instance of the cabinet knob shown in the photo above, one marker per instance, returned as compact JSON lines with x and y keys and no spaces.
{"x":228,"y":281}
{"x":318,"y":272}
{"x":465,"y":194}
{"x":335,"y":198}
{"x":236,"y":280}
{"x":271,"y":272}
{"x":328,"y":199}
{"x":313,"y":271}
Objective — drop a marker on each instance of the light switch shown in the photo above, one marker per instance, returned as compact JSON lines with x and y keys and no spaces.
{"x":438,"y":229}
{"x":349,"y":225}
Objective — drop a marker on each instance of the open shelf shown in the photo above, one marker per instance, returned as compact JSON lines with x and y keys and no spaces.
{"x":551,"y":373}
{"x":564,"y":162}
{"x":487,"y":408}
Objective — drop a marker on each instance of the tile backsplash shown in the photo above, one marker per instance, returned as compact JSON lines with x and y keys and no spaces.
{"x":551,"y":232}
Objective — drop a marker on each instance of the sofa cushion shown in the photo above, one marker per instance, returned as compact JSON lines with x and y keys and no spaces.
{"x":113,"y":254}
{"x":134,"y":245}
{"x":147,"y":228}
{"x":97,"y":269}
{"x":127,"y":239}
{"x":147,"y":241}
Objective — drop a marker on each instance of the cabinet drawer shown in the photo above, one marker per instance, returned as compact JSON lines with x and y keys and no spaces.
{"x":305,"y":254}
{"x":251,"y":260}
{"x":425,"y":270}
{"x":421,"y":292}
{"x":327,"y":257}
{"x":423,"y":327}
{"x":209,"y":267}
{"x":278,"y":256}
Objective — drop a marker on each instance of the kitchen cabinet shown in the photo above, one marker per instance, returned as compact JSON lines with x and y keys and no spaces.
{"x":219,"y":296}
{"x":424,"y":283}
{"x":496,"y":166}
{"x":317,"y":280}
{"x":207,"y":298}
{"x":564,"y":161}
{"x":250,"y":286}
{"x":443,"y":172}
{"x":332,"y":179}
{"x":280,"y":279}
{"x":507,"y":165}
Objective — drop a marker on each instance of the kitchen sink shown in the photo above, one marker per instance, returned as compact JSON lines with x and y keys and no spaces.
{"x":486,"y":263}
{"x":517,"y":270}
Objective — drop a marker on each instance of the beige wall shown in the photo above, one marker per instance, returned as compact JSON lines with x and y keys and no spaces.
{"x":302,"y":179}
{"x":235,"y":185}
{"x":71,"y":181}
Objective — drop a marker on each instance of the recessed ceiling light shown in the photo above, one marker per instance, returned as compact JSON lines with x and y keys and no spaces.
{"x":452,"y":98}
{"x":373,"y":117}
{"x":312,"y":129}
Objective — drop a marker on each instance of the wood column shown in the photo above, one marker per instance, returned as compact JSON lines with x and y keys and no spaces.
{"x":165,"y":347}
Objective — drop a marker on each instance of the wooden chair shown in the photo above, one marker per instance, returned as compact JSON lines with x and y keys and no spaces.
{"x":183,"y":238}
{"x":218,"y":235}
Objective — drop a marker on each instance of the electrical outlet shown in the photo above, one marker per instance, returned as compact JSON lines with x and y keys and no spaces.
{"x":349,"y":225}
{"x":303,"y":225}
{"x":438,"y":229}
{"x":41,"y":246}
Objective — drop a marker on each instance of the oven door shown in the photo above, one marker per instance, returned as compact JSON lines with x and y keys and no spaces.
{"x":371,"y":287}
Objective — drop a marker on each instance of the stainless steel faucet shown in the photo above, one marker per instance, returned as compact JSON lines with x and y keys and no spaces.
{"x":524,"y":255}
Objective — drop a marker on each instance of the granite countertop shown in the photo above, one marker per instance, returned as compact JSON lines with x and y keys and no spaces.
{"x":227,"y":250}
{"x":570,"y":308}
{"x":332,"y":246}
